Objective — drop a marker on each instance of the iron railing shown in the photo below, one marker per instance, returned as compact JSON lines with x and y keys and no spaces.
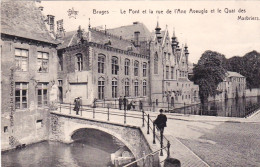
{"x":146,"y":121}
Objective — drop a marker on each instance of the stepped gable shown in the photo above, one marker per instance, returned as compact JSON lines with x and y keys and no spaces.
{"x":24,"y":19}
{"x":127,"y":32}
{"x":98,"y":36}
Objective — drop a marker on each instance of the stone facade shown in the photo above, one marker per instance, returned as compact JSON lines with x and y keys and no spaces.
{"x":157,"y":68}
{"x":232,"y":86}
{"x":29,"y":75}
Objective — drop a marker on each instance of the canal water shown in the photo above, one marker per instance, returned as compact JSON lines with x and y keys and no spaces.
{"x":91,"y":148}
{"x":240,"y":107}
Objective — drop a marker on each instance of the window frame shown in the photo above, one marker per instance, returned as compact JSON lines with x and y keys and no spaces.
{"x":144,"y":88}
{"x":114,"y":65}
{"x":156,"y":63}
{"x":41,"y":60}
{"x":114,"y":88}
{"x":136,"y":68}
{"x":44,"y":97}
{"x":144,"y":69}
{"x":167,"y":72}
{"x":79,"y":62}
{"x":101,"y":63}
{"x":19,"y":59}
{"x":101,"y":88}
{"x":127,"y":88}
{"x":127,"y":67}
{"x":21,"y":96}
{"x":136,"y":87}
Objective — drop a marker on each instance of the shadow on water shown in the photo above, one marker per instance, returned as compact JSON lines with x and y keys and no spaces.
{"x":91,"y":148}
{"x":237,"y":107}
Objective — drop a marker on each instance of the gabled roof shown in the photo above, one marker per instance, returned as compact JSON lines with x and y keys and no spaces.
{"x":71,"y":39}
{"x":24,"y":19}
{"x":96,"y":36}
{"x":233,"y":74}
{"x":127,"y":32}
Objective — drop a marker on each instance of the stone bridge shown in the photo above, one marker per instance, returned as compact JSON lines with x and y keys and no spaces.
{"x":63,"y":126}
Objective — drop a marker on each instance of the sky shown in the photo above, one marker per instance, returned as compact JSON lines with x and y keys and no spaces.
{"x":213,"y":30}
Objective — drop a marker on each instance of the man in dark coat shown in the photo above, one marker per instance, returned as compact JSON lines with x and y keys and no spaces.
{"x":125,"y":103}
{"x":77,"y":105}
{"x":120,"y":100}
{"x":160,"y":121}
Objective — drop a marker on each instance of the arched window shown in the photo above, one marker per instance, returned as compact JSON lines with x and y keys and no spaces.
{"x":114,"y":88}
{"x":136,"y":68}
{"x":79,"y":62}
{"x":144,"y":87}
{"x":136,"y":87}
{"x":101,"y":88}
{"x":127,"y":64}
{"x":101,"y":63}
{"x":115,"y":66}
{"x":156,"y":63}
{"x":144,"y":69}
{"x":127,"y":85}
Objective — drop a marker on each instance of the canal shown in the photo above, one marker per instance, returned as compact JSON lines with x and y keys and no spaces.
{"x":91,"y":148}
{"x":240,"y":107}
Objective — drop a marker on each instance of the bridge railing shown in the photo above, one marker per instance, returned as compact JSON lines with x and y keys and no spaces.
{"x":145,"y":117}
{"x":93,"y":110}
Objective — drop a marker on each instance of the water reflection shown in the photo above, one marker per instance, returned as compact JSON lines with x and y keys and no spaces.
{"x":240,"y":107}
{"x":90,"y":149}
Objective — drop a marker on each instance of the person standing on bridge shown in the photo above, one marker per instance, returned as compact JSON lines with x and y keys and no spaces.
{"x":120,"y":101}
{"x":160,"y":121}
{"x":77,"y":105}
{"x":125,"y":103}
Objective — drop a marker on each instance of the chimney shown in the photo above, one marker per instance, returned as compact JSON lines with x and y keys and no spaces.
{"x":50,"y":21}
{"x":60,"y":29}
{"x":136,"y":40}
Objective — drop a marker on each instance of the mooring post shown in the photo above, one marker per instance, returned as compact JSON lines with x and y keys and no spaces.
{"x":81,"y":110}
{"x":107,"y":113}
{"x":70,"y":107}
{"x":148,"y":123}
{"x":161,"y":132}
{"x":184,"y":109}
{"x":125,"y":116}
{"x":93,"y":112}
{"x":153,"y":133}
{"x":168,"y":151}
{"x":143,"y":117}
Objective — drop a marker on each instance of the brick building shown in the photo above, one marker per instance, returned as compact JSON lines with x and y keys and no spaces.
{"x":125,"y":61}
{"x":29,"y":74}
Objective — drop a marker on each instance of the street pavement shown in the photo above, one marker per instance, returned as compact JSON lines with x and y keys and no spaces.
{"x":197,"y":140}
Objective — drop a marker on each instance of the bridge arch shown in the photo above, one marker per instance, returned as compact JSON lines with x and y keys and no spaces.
{"x":104,"y":130}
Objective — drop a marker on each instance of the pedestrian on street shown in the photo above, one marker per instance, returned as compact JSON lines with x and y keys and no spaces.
{"x":120,"y":100}
{"x":94,"y":103}
{"x":77,"y":105}
{"x":160,"y":121}
{"x":125,"y":103}
{"x":140,"y":105}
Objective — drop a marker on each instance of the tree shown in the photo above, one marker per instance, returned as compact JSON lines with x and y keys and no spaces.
{"x":208,"y":73}
{"x":248,"y":66}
